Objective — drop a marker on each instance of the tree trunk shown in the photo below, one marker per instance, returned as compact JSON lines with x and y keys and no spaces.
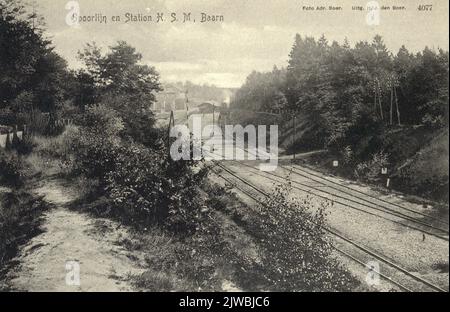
{"x":390,"y":111}
{"x":396,"y":105}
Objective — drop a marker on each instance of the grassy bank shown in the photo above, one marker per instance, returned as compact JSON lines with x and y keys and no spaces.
{"x":416,"y":158}
{"x":20,"y":208}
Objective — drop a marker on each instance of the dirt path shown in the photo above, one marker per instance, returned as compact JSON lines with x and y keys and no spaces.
{"x":70,"y":239}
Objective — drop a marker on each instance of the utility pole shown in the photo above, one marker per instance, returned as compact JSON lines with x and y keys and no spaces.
{"x":375,"y":97}
{"x":171,"y":123}
{"x":187,"y":107}
{"x":34,"y":14}
{"x":392,"y":104}
{"x":295,"y":132}
{"x":214,"y":118}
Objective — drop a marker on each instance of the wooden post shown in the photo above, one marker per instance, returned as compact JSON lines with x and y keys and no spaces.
{"x":224,"y":122}
{"x":171,"y":122}
{"x":375,"y":99}
{"x":187,"y":108}
{"x":214,"y":118}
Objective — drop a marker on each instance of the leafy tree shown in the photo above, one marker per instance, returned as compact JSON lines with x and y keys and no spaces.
{"x":347,"y":93}
{"x":120,"y":71}
{"x":32,"y":73}
{"x":119,"y":80}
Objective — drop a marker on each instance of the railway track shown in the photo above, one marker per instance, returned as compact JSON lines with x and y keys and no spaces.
{"x":347,"y":196}
{"x":315,"y":177}
{"x":255,"y":193}
{"x":347,"y":201}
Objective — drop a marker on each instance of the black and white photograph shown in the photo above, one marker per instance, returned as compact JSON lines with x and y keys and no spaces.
{"x":235,"y":147}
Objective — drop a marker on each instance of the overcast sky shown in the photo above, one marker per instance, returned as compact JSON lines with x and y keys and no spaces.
{"x":255,"y":34}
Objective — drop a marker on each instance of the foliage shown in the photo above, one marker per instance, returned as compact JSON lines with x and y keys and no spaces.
{"x":371,"y":170}
{"x":179,"y":264}
{"x":138,"y":119}
{"x":143,"y":185}
{"x":420,"y":176}
{"x":294,"y":252}
{"x":333,"y":86}
{"x":32,"y":73}
{"x":101,"y":120}
{"x":19,"y":220}
{"x":262,"y":91}
{"x":297,"y":253}
{"x":119,"y":71}
{"x":11,"y":169}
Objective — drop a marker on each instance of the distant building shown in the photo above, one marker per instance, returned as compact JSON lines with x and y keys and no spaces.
{"x":208,"y":107}
{"x":227,"y":94}
{"x":171,"y":98}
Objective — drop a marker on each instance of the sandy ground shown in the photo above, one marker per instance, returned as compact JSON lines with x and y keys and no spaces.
{"x":401,"y":245}
{"x":72,"y":236}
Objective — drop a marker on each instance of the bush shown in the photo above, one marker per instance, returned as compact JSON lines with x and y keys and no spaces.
{"x":297,"y":255}
{"x":138,"y":120}
{"x":148,"y":188}
{"x":144,"y":186}
{"x":180,"y":264}
{"x":94,"y":156}
{"x":370,"y":171}
{"x":57,"y":146}
{"x":10,"y":169}
{"x":95,"y":144}
{"x":101,"y":120}
{"x":294,"y":252}
{"x":24,"y":146}
{"x":19,"y":220}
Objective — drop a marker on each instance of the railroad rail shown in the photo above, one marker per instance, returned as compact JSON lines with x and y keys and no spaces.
{"x":336,"y":234}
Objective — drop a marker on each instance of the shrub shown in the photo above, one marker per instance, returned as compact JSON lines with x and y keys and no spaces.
{"x":19,"y":220}
{"x":55,"y":146}
{"x":347,"y":155}
{"x":179,"y":264}
{"x":24,"y":146}
{"x":148,"y":188}
{"x":370,"y":171}
{"x":144,"y":186}
{"x":94,"y":156}
{"x":8,"y":145}
{"x":294,"y":252}
{"x":138,"y":120}
{"x":94,"y":145}
{"x":11,"y":169}
{"x":297,"y":253}
{"x":101,"y":120}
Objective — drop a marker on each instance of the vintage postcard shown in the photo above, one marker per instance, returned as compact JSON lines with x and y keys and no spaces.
{"x":248,"y":147}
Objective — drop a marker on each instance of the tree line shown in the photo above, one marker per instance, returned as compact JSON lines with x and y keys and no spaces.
{"x":345,"y":92}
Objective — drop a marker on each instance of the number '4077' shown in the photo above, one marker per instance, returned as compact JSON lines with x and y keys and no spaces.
{"x":425,"y":7}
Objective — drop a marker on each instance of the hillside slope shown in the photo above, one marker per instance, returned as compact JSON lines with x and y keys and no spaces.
{"x":426,"y":172}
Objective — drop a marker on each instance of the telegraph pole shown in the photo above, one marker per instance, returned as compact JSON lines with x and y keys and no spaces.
{"x":187,"y":108}
{"x":295,"y":133}
{"x":392,"y":104}
{"x":171,"y":123}
{"x":214,"y":118}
